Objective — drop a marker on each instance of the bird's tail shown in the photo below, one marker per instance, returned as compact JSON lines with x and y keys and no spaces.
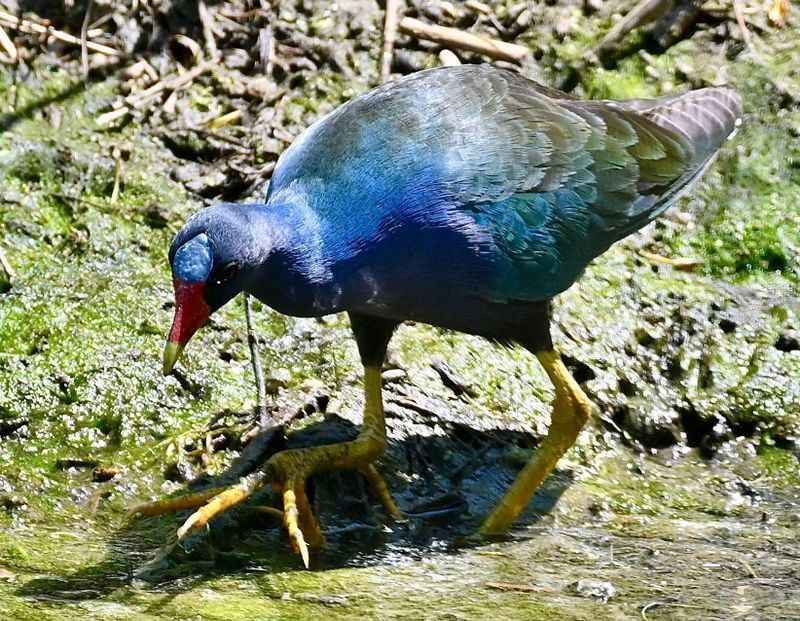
{"x":706,"y":117}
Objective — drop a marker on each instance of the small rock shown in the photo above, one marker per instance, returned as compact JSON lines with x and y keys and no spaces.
{"x":179,"y":472}
{"x":312,"y":385}
{"x":655,"y":427}
{"x":208,"y":185}
{"x":277,"y":380}
{"x":236,"y":58}
{"x":598,"y":589}
{"x":156,"y":216}
{"x":100,"y":475}
{"x":8,"y":427}
{"x":10,"y":502}
{"x":788,"y":340}
{"x":393,"y":375}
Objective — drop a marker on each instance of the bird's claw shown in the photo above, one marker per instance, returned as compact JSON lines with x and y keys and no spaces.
{"x":290,"y":520}
{"x":288,"y":476}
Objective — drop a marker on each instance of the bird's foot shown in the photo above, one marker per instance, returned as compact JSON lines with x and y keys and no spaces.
{"x":287,"y":472}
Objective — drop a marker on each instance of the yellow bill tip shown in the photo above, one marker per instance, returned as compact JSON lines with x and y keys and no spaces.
{"x":172,"y":352}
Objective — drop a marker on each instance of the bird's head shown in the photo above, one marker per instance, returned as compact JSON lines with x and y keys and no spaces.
{"x":212,"y":259}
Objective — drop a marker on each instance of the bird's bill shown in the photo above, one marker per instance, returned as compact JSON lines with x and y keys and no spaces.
{"x":191,"y":312}
{"x":172,"y":351}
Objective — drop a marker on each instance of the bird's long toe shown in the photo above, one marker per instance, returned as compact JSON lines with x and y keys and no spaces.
{"x":381,"y":490}
{"x":173,"y":505}
{"x":221,"y":502}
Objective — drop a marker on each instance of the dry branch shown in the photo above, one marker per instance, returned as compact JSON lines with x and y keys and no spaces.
{"x":145,"y":97}
{"x":643,"y":13}
{"x":452,"y":37}
{"x":6,"y":266}
{"x":226,"y":119}
{"x":25,"y":25}
{"x":255,"y":360}
{"x":8,"y":45}
{"x":389,"y":35}
{"x":208,"y":30}
{"x":684,"y":264}
{"x":84,"y":33}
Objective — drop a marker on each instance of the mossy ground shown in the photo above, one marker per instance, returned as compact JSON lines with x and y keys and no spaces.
{"x":82,"y":328}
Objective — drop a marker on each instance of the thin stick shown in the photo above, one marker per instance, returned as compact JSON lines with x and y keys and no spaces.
{"x":26,"y":25}
{"x":452,"y":37}
{"x":746,"y":35}
{"x":84,"y":29}
{"x":226,"y":119}
{"x":208,"y":30}
{"x":117,"y":175}
{"x":113,"y":115}
{"x":145,"y":97}
{"x":389,"y":36}
{"x":138,"y":100}
{"x":255,"y":359}
{"x":8,"y":45}
{"x":643,"y":13}
{"x":685,"y":264}
{"x":6,"y":265}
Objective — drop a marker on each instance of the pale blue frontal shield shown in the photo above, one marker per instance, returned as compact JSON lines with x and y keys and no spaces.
{"x":193,"y":260}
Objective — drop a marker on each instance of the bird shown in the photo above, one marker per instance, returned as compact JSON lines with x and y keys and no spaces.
{"x":463,"y":197}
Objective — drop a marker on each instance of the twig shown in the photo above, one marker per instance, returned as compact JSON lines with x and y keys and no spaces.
{"x":255,"y":359}
{"x":266,"y":49}
{"x":448,"y":58}
{"x":746,"y":35}
{"x":6,"y":265}
{"x":138,"y":100}
{"x":478,"y":7}
{"x":143,"y":98}
{"x":26,"y":25}
{"x":8,"y":45}
{"x":208,"y":30}
{"x":136,"y":70}
{"x":519,"y":588}
{"x":452,"y":37}
{"x":191,"y":45}
{"x":673,"y":604}
{"x":84,"y":29}
{"x":117,"y":174}
{"x":389,"y":36}
{"x":226,"y":119}
{"x":643,"y":13}
{"x":681,"y":263}
{"x":109,"y":117}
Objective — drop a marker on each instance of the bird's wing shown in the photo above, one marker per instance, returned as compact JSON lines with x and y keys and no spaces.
{"x":558,"y":180}
{"x":551,"y":181}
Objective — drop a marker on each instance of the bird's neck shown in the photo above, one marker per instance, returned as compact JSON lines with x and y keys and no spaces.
{"x":294,"y":276}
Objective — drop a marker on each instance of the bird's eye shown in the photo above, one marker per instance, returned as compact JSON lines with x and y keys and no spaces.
{"x":226,"y":273}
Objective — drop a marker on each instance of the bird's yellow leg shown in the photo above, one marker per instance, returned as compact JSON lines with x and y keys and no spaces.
{"x":571,"y":410}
